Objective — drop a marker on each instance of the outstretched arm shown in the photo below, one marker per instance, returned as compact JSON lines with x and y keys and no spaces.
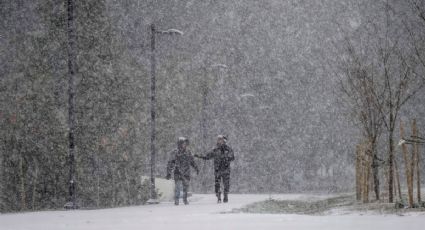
{"x":207,"y":156}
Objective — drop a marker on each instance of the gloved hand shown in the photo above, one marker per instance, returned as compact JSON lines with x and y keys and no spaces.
{"x":168,"y":177}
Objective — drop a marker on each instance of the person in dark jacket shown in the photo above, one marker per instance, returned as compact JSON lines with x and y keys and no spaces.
{"x":222,"y":155}
{"x":180,"y":162}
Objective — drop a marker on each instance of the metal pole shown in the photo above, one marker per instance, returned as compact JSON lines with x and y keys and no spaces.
{"x":204,"y":127}
{"x":153,"y":196}
{"x":71,"y":104}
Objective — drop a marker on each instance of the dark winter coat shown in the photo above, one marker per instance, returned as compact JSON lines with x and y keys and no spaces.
{"x":222,"y":157}
{"x":180,"y":162}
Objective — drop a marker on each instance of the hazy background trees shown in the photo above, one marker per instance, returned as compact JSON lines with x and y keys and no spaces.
{"x":278,"y":98}
{"x":383,"y":73}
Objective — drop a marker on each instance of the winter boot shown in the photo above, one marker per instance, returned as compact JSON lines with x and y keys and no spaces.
{"x":185,"y":202}
{"x":218,"y":197}
{"x":225,"y":199}
{"x":176,"y":202}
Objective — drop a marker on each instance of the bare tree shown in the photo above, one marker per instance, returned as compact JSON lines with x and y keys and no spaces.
{"x":401,"y":83}
{"x":380,"y":78}
{"x":361,"y":87}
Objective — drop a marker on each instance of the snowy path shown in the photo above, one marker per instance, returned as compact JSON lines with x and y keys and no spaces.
{"x":202,"y":214}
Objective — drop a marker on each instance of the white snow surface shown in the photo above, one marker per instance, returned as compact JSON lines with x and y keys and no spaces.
{"x":203,"y":213}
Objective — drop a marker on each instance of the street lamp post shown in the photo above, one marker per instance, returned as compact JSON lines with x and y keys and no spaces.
{"x":204,"y":118}
{"x":153,"y":196}
{"x":71,"y":203}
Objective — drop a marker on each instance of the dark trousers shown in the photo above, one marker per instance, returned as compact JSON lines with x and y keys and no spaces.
{"x":179,"y":183}
{"x":225,"y":177}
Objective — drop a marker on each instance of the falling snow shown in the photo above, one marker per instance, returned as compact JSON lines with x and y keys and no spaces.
{"x":296,"y":87}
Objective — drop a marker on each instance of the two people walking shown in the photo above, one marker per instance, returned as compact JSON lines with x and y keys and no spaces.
{"x":182,"y":160}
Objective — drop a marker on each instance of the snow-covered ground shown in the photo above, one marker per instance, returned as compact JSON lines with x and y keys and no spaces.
{"x":203,"y":213}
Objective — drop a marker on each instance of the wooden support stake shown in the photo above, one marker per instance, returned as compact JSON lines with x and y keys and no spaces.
{"x":366,"y":172}
{"x":397,"y":178}
{"x":416,"y":160}
{"x":408,"y":169}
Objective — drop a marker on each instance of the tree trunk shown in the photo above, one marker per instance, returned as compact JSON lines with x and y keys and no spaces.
{"x":375,"y":169}
{"x":358,"y":173}
{"x":366,"y":174}
{"x":34,"y":188}
{"x":113,"y":186}
{"x":22,"y":177}
{"x":366,"y":182}
{"x":127,"y":182}
{"x":390,"y":165}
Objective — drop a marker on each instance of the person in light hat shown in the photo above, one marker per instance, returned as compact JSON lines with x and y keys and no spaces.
{"x":222,"y":155}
